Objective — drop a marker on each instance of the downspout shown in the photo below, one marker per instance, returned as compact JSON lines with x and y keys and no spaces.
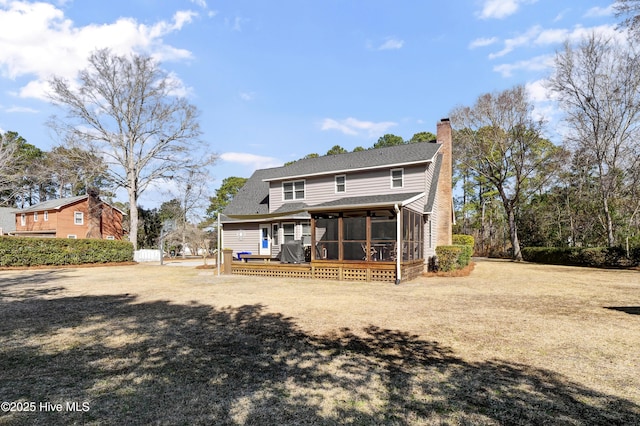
{"x":398,"y":243}
{"x":218,"y":254}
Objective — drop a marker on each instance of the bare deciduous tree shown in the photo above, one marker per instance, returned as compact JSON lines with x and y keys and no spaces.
{"x":127,"y":110}
{"x":598,"y":86}
{"x":499,"y":141}
{"x":630,"y":10}
{"x":8,"y":154}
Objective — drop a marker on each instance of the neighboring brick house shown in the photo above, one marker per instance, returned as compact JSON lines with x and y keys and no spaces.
{"x":390,"y":205}
{"x":84,"y":216}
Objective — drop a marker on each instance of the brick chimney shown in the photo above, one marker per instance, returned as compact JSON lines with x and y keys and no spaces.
{"x":94,"y":209}
{"x":444,"y":197}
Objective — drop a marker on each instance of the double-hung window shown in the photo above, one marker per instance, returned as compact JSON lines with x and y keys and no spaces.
{"x":35,"y":216}
{"x":293,"y":190}
{"x":288,"y":232}
{"x":397,"y":178}
{"x":341,"y":183}
{"x":78,"y":218}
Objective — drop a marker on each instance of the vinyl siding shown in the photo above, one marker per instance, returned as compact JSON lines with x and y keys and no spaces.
{"x":241,"y":237}
{"x":321,"y":189}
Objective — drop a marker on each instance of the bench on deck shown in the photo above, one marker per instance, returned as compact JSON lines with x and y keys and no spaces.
{"x":264,"y":257}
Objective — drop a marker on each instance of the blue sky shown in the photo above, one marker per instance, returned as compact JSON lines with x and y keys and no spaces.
{"x":276,"y":80}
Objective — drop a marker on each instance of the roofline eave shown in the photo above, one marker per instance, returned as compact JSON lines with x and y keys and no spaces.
{"x":351,"y":170}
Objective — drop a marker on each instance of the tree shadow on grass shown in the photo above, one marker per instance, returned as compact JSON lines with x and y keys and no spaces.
{"x":163,"y":363}
{"x":631,"y":310}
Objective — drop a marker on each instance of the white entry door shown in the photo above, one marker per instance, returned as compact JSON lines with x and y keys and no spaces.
{"x":265,"y":239}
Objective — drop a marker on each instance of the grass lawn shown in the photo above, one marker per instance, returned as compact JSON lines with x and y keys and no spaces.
{"x":143,"y":344}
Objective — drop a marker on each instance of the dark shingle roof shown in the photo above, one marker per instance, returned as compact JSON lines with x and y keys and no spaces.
{"x":253,"y":197}
{"x":367,"y":201}
{"x":52,"y":204}
{"x":431,"y":199}
{"x":368,"y":159}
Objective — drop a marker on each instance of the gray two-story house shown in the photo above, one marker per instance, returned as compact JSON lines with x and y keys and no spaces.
{"x":382,"y":209}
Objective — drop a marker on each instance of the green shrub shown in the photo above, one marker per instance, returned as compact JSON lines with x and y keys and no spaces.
{"x":467,"y":242}
{"x":598,"y":257}
{"x":453,"y":257}
{"x":448,"y":257}
{"x":465,"y":256}
{"x":463,"y":240}
{"x":16,"y":251}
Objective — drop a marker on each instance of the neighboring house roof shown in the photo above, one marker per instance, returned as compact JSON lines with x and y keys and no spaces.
{"x":7,"y":219}
{"x":56,"y":204}
{"x":253,"y":197}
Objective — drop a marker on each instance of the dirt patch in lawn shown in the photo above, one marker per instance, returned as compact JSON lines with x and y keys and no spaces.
{"x":509,"y":344}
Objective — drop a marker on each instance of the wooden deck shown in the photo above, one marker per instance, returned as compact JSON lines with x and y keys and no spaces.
{"x":345,"y":271}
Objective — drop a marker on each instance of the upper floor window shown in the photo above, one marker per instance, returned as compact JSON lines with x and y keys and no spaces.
{"x":23,"y":219}
{"x":35,"y":216}
{"x":78,"y":218}
{"x":293,"y":190}
{"x":341,"y":183}
{"x":46,"y":216}
{"x":397,"y":178}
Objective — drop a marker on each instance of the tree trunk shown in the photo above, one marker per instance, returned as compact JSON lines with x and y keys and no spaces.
{"x":133,"y":210}
{"x":609,"y":222}
{"x":513,"y":232}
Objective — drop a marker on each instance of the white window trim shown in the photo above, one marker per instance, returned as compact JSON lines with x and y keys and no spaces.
{"x":46,"y":216}
{"x":293,"y":183}
{"x":23,"y":219}
{"x":75,"y":220}
{"x":35,"y":216}
{"x":275,"y":234}
{"x":343,"y":184}
{"x":110,"y":237}
{"x":72,"y":237}
{"x":284,"y":235}
{"x":401,"y":170}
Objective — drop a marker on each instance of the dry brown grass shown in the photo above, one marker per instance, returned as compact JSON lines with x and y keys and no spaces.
{"x":509,"y":344}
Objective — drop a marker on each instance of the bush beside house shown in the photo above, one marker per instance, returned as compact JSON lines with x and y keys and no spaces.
{"x":456,"y":256}
{"x":58,"y":251}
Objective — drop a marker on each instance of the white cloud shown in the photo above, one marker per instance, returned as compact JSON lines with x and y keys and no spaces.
{"x":354,"y":127}
{"x":252,"y":160}
{"x":537,"y":36}
{"x":391,"y":43}
{"x":34,"y":36}
{"x":482,"y":42}
{"x":247,"y":96}
{"x":21,"y":110}
{"x":236,"y":23}
{"x":511,"y":43}
{"x":538,"y":63}
{"x":201,"y":3}
{"x":598,"y":12}
{"x":499,"y":9}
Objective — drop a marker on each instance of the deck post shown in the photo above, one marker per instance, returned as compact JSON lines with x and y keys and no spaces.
{"x":227,"y":259}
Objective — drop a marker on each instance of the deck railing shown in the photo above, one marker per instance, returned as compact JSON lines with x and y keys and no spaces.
{"x":343,"y":271}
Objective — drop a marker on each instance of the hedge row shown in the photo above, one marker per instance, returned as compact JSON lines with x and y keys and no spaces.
{"x":455,"y":256}
{"x":16,"y":251}
{"x":598,"y":257}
